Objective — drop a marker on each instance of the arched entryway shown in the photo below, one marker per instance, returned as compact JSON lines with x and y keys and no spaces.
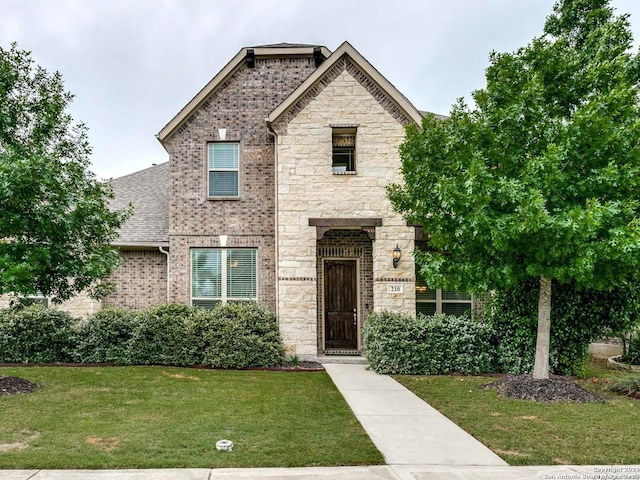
{"x":345,"y":289}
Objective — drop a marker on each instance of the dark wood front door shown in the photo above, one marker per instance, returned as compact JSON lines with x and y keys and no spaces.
{"x":340,"y":304}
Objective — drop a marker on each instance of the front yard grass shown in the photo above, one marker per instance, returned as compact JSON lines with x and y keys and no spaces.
{"x":164,"y":417}
{"x":529,"y":433}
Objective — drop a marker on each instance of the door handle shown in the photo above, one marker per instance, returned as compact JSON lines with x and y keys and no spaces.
{"x":355,"y":317}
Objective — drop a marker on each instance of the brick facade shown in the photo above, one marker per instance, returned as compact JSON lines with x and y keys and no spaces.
{"x":346,"y":244}
{"x":141,"y":280}
{"x":240,"y":106}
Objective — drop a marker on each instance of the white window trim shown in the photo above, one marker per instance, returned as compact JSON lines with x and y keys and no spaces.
{"x":224,"y":298}
{"x":209,"y":170}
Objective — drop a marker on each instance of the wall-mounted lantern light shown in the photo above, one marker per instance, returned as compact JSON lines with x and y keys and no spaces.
{"x":397,"y":255}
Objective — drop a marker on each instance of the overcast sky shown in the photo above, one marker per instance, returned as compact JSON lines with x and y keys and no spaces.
{"x":133,"y":64}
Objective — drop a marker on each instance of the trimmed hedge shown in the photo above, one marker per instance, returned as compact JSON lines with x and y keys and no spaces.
{"x":165,"y":335}
{"x":239,"y":335}
{"x":36,"y":334}
{"x":235,"y":335}
{"x":104,"y":337}
{"x":398,"y":343}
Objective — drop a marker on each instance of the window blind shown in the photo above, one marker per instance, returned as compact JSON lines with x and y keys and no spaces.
{"x":223,"y":169}
{"x":241,"y":273}
{"x":223,"y":155}
{"x":206,"y":273}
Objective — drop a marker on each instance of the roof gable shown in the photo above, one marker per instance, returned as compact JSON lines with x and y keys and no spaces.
{"x":276,"y":50}
{"x":346,"y":57}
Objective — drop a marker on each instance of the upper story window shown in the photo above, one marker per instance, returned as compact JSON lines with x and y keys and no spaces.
{"x":344,"y":150}
{"x":223,"y":169}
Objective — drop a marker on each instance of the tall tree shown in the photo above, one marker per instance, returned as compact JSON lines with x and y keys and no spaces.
{"x":55,"y":223}
{"x":541,"y":178}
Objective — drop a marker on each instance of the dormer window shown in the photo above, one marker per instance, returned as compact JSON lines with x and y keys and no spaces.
{"x":223,"y":169}
{"x":344,"y":150}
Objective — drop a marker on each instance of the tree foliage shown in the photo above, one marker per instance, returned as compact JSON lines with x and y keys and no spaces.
{"x":580,"y":316}
{"x":541,"y":178}
{"x":55,"y":223}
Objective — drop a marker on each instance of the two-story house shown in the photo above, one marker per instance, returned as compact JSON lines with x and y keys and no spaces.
{"x":275,"y":191}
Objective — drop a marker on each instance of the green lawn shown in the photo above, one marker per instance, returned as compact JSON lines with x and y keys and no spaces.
{"x":529,"y":433}
{"x":153,"y":417}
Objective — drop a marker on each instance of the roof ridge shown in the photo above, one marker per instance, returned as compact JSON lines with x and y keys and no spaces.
{"x":286,"y":45}
{"x":154,"y":165}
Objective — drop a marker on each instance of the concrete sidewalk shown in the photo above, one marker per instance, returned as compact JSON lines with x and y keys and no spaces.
{"x":408,"y":472}
{"x":418,"y":443}
{"x":407,"y":430}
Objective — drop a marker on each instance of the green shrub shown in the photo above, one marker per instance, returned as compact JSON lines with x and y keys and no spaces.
{"x":398,"y":343}
{"x":633,"y":350}
{"x":629,"y":385}
{"x":105,"y":336}
{"x":36,"y":334}
{"x":235,"y":335}
{"x":578,"y":317}
{"x":240,"y":335}
{"x":165,"y":335}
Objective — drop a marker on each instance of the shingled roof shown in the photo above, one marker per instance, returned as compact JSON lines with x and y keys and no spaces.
{"x":148,"y":192}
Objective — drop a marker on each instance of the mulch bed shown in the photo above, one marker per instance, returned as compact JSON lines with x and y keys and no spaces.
{"x":15,"y":385}
{"x":525,"y":387}
{"x":299,"y":367}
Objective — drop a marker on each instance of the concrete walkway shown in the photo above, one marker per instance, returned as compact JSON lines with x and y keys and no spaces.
{"x":407,"y":430}
{"x":418,"y":443}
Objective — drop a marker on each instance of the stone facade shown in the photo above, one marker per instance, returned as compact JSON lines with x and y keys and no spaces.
{"x":307,"y":189}
{"x":79,"y":306}
{"x":141,"y":280}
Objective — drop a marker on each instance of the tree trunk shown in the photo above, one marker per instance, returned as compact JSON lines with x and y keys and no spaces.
{"x":543,"y":340}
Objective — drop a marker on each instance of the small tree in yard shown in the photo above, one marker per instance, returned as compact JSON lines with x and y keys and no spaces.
{"x":542,"y":178}
{"x":55,"y":223}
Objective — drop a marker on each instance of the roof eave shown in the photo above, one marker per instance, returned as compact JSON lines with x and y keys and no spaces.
{"x":224,"y":74}
{"x":139,"y":245}
{"x":346,"y":48}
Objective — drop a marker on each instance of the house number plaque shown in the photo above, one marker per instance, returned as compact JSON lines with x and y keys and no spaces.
{"x":395,"y":288}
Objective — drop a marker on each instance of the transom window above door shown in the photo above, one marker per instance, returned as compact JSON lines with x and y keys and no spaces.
{"x":344,"y":150}
{"x":223,"y":169}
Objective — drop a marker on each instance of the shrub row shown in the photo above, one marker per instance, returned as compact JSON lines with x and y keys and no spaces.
{"x":504,"y":340}
{"x":234,"y":335}
{"x":398,"y":343}
{"x":36,"y":335}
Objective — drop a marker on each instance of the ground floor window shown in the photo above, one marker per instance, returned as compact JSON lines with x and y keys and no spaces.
{"x":222,"y":275}
{"x":37,"y":299}
{"x":430,"y":301}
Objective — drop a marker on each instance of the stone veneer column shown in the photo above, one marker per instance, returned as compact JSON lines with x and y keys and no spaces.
{"x":307,"y":188}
